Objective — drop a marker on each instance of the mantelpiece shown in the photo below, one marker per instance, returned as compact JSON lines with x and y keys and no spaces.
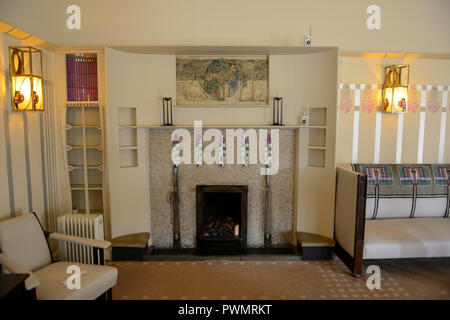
{"x":213,"y":126}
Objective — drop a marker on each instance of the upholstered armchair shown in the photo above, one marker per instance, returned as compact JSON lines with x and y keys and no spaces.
{"x":24,"y":249}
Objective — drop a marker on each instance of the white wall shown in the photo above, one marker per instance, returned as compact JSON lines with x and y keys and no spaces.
{"x":406,"y":25}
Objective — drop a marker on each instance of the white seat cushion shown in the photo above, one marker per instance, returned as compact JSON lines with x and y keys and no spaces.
{"x":95,"y":280}
{"x":407,"y":238}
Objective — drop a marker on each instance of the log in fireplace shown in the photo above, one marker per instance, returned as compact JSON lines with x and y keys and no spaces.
{"x":221,"y":218}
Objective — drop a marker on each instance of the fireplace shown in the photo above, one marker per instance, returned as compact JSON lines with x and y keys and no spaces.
{"x":221,"y":218}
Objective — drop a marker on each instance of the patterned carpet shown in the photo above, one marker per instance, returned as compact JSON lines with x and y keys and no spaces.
{"x":294,"y":280}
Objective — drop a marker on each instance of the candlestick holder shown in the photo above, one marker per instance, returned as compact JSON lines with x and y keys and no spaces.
{"x":277,"y":111}
{"x":167,"y":111}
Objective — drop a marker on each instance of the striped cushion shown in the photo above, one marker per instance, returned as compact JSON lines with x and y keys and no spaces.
{"x":406,"y":190}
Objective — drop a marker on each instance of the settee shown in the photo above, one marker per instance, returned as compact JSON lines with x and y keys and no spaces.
{"x":390,"y":211}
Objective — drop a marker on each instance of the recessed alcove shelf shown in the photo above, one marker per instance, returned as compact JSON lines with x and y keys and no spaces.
{"x":316,"y":136}
{"x":128,"y":147}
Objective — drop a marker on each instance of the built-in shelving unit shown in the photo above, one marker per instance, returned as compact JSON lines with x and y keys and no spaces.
{"x":128,"y":148}
{"x":316,"y":132}
{"x":84,"y":140}
{"x":85,"y":158}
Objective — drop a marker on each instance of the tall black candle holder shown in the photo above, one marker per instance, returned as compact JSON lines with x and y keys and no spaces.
{"x":167,"y":111}
{"x":277,"y":111}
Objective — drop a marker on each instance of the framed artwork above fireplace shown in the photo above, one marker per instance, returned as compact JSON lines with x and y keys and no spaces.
{"x":222,"y":80}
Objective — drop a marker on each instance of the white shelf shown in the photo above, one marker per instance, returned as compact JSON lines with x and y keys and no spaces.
{"x":128,"y":144}
{"x":316,"y":136}
{"x":313,"y":127}
{"x":128,"y":147}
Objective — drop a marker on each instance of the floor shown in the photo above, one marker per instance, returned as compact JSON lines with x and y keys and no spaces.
{"x":279,"y":279}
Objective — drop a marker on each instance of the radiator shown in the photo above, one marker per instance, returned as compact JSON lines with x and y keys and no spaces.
{"x":80,"y":225}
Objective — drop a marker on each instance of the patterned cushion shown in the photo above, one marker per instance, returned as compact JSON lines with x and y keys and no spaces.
{"x":406,"y":190}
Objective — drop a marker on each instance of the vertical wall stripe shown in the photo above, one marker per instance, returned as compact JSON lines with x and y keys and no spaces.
{"x":27,"y":161}
{"x":423,"y":104}
{"x":355,"y":137}
{"x":376,"y":153}
{"x":442,"y":136}
{"x":44,"y":181}
{"x":444,"y":99}
{"x":357,"y":97}
{"x":421,"y":137}
{"x":398,"y":156}
{"x":9,"y":165}
{"x":423,"y":100}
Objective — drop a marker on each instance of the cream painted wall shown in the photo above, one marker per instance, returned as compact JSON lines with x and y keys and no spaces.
{"x":406,"y":25}
{"x":22,"y":132}
{"x":370,"y":70}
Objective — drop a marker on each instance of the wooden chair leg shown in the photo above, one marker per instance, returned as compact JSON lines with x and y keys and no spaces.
{"x":109,"y":294}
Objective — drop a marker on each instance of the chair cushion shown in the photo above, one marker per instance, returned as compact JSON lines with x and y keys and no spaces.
{"x":95,"y":280}
{"x":22,"y":240}
{"x":407,"y":238}
{"x":395,"y":191}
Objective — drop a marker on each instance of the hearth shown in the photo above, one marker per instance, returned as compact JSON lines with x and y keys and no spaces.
{"x":221,"y":218}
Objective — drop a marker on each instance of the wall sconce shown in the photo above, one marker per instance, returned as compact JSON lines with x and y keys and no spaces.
{"x":25,"y":71}
{"x":395,"y":88}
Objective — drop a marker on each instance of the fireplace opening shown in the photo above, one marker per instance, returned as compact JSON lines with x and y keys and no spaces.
{"x":221,"y":218}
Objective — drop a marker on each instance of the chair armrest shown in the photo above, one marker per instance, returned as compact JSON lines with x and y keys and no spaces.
{"x":31,"y":282}
{"x":102,"y":244}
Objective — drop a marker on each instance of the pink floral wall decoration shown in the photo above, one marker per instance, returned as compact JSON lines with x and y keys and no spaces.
{"x":368,"y":100}
{"x":434,"y":97}
{"x":413,"y":99}
{"x":346,"y":99}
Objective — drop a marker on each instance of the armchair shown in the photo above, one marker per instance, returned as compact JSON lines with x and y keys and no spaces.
{"x":24,"y":249}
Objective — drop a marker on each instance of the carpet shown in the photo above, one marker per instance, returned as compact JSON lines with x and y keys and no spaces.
{"x":293,"y":280}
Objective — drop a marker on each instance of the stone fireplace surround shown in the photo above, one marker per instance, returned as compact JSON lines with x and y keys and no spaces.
{"x":161,"y":186}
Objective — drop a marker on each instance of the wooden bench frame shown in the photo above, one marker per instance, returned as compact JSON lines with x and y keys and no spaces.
{"x":353,"y":260}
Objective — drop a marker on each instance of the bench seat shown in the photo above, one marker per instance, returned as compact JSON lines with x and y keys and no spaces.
{"x":407,"y":238}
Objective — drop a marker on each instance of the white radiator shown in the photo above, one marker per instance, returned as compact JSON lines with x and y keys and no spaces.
{"x":80,"y":225}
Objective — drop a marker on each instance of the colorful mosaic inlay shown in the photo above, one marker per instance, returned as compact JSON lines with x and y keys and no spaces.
{"x":382,"y":173}
{"x":409,"y":174}
{"x":441,"y":175}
